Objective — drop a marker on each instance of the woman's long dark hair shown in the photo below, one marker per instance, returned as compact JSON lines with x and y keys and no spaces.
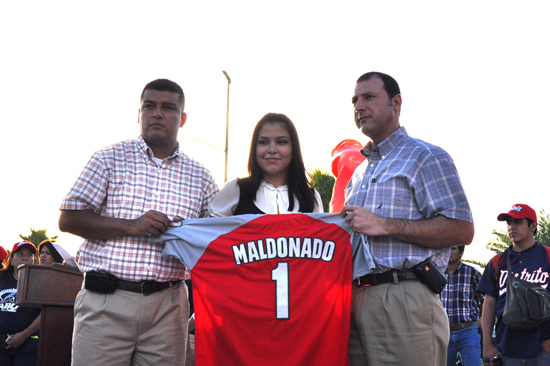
{"x":296,"y":178}
{"x":57,"y":258}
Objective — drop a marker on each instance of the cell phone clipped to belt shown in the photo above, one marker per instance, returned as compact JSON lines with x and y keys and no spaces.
{"x":428,"y":273}
{"x":102,"y":283}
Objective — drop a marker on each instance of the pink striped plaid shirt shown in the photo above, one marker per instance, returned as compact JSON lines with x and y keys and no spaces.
{"x":123,"y":181}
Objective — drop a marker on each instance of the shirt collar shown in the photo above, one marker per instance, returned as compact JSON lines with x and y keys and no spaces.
{"x":145,"y":149}
{"x":457,"y":268}
{"x":388,"y":145}
{"x":270,"y":186}
{"x":511,"y":249}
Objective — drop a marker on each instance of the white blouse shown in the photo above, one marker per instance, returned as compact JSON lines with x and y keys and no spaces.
{"x":269,"y":199}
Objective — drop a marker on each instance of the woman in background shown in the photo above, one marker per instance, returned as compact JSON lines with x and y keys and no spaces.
{"x":18,"y":325}
{"x":277,"y":181}
{"x":48,"y":253}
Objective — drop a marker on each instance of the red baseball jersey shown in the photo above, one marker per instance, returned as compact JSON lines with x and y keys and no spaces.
{"x":268,"y":289}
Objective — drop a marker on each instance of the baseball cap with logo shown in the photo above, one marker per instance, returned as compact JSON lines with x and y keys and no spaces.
{"x":22,"y":244}
{"x":519,"y":211}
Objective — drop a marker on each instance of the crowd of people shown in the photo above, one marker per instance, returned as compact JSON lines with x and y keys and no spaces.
{"x":405,"y":200}
{"x":19,"y":325}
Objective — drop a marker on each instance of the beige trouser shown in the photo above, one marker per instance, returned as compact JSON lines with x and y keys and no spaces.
{"x":396,"y":325}
{"x":126,"y":328}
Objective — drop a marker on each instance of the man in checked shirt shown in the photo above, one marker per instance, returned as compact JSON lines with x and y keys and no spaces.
{"x":133,"y":307}
{"x":409,"y":201}
{"x":463,"y":306}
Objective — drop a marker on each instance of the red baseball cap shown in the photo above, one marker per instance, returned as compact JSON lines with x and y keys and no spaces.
{"x":519,"y":211}
{"x":23,"y":243}
{"x":3,"y":254}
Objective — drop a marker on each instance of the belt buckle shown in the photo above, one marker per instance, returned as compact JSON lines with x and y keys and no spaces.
{"x":363,"y":284}
{"x":144,"y":290}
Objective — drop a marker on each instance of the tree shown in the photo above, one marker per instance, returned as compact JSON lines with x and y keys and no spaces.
{"x":502,"y":241}
{"x":37,"y":236}
{"x":543,"y":232}
{"x":323,"y":182}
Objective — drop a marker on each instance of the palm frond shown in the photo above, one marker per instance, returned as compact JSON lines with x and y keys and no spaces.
{"x":323,"y":182}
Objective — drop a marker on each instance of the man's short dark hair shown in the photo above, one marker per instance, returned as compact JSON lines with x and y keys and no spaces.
{"x":529,"y":222}
{"x":166,"y":85}
{"x":461,"y":248}
{"x":390,"y":85}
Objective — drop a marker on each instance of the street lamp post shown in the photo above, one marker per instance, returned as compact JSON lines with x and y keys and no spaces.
{"x":226,"y":125}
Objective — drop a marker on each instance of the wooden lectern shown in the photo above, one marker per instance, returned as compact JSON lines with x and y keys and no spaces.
{"x":54,"y":289}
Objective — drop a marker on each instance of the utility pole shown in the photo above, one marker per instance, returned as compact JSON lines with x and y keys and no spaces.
{"x":226,"y":126}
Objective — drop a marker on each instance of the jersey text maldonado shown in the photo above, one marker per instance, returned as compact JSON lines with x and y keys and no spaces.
{"x":283,"y":247}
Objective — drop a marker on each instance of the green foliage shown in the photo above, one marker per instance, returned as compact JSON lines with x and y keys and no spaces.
{"x":543,"y":232}
{"x":37,"y":236}
{"x":502,"y":241}
{"x":323,"y":182}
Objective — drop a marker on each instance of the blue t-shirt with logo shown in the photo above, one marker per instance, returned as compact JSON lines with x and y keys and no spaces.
{"x":13,"y":318}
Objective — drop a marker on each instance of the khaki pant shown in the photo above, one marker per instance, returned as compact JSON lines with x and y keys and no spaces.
{"x":396,"y":325}
{"x":126,"y":328}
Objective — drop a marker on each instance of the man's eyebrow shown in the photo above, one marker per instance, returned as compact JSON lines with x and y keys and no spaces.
{"x":355,"y":97}
{"x":162,"y":103}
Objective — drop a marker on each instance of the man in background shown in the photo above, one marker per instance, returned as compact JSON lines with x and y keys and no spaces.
{"x":133,"y":307}
{"x":529,"y":261}
{"x":463,"y":304}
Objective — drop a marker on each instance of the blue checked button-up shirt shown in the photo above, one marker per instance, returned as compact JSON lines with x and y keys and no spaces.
{"x":406,"y":178}
{"x":460,"y":298}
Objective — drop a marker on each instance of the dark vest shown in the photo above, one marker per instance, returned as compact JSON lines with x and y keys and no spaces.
{"x":246,"y":198}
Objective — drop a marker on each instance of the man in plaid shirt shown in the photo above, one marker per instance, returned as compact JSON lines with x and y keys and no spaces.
{"x":463,"y":306}
{"x":408,"y":200}
{"x":133,"y":307}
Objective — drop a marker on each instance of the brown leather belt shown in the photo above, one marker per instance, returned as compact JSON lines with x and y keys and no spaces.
{"x":393,"y":276}
{"x":459,"y":326}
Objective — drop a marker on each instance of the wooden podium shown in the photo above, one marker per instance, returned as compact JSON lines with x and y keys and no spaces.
{"x":54,"y":289}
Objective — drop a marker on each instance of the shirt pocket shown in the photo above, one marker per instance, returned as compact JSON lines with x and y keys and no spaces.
{"x":183,"y":203}
{"x":464,"y":293}
{"x":393,"y":197}
{"x":134,"y":194}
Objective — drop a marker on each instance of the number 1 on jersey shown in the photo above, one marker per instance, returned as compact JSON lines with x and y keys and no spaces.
{"x":280,"y":276}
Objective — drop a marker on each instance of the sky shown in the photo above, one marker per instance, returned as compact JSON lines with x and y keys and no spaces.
{"x":474,"y":79}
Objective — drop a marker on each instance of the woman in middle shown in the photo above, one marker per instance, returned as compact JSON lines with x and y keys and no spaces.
{"x":277,"y":183}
